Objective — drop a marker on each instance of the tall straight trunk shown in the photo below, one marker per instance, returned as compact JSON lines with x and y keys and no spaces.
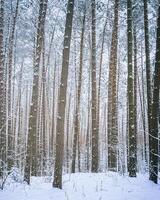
{"x":142,"y":104}
{"x":148,"y":77}
{"x":78,"y":94}
{"x":44,"y":138}
{"x":135,"y":84}
{"x":67,"y":135}
{"x":112,"y":96}
{"x":100,"y":69}
{"x":53,"y":113}
{"x":88,"y":139}
{"x":2,"y":93}
{"x":105,"y":136}
{"x":95,"y":138}
{"x":131,"y":109}
{"x":39,"y":133}
{"x":88,"y":136}
{"x":51,"y":143}
{"x":19,"y":118}
{"x":51,"y":131}
{"x":155,"y":109}
{"x":122,"y":156}
{"x":10,"y":153}
{"x":57,"y":182}
{"x":27,"y":103}
{"x":144,"y":108}
{"x":31,"y":161}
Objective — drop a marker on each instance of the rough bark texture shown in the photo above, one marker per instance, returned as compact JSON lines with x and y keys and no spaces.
{"x":95,"y":138}
{"x":112,"y":96}
{"x":155,"y":108}
{"x":62,"y":98}
{"x":135,"y":86}
{"x":131,"y":109}
{"x":148,"y":74}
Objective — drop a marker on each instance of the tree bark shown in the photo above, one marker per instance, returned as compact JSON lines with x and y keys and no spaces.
{"x":155,"y":115}
{"x":131,"y":109}
{"x":57,"y":182}
{"x":112,"y":97}
{"x":135,"y":86}
{"x":148,"y":78}
{"x":95,"y":138}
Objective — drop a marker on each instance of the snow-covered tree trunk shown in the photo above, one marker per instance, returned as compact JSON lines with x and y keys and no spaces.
{"x":52,"y":137}
{"x":2,"y":94}
{"x":78,"y":93}
{"x":31,"y":161}
{"x":11,"y":142}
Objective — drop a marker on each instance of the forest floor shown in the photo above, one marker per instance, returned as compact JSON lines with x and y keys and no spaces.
{"x":85,"y":186}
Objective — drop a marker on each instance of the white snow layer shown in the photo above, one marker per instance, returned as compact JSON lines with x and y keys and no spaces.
{"x":85,"y":186}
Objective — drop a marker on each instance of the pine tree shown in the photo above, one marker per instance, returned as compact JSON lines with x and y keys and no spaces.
{"x":100,"y":69}
{"x":31,"y":162}
{"x":68,"y":136}
{"x":2,"y":93}
{"x":135,"y":85}
{"x":95,"y":138}
{"x":57,"y":182}
{"x":10,"y":153}
{"x":131,"y":109}
{"x":153,"y":175}
{"x":112,"y":96}
{"x":44,"y":135}
{"x":77,"y":120}
{"x":52,"y":137}
{"x":148,"y":74}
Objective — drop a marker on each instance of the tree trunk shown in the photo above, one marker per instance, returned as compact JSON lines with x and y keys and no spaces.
{"x":135,"y":86}
{"x":31,"y":161}
{"x":95,"y":138}
{"x":155,"y":108}
{"x":44,"y":157}
{"x":131,"y":109}
{"x":78,"y":93}
{"x":2,"y":93}
{"x":67,"y":137}
{"x":53,"y":114}
{"x":112,"y":97}
{"x":148,"y":77}
{"x":57,"y":182}
{"x":10,"y":153}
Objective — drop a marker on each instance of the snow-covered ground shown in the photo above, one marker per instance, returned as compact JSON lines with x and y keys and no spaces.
{"x":108,"y":186}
